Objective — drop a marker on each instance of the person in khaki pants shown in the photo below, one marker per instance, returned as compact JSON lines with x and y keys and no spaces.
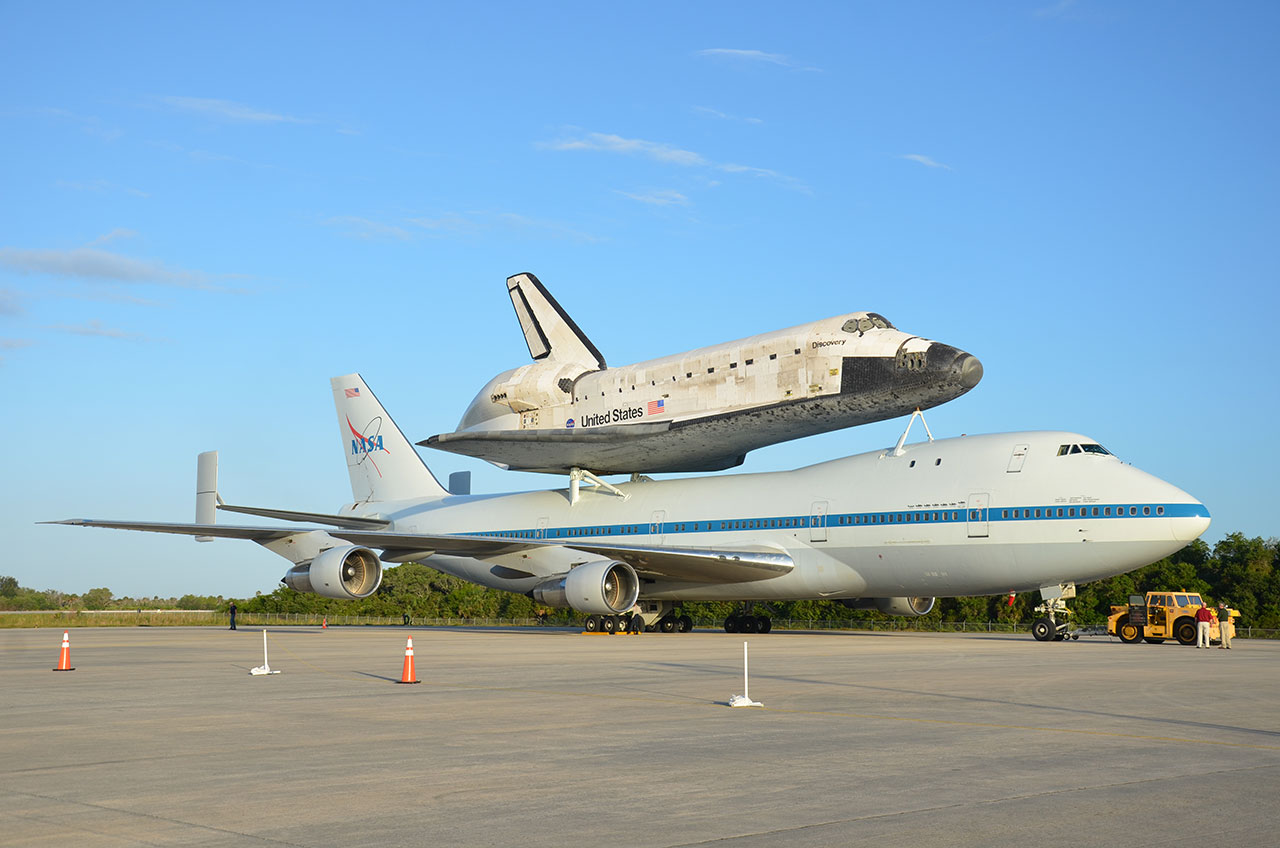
{"x":1224,"y":624}
{"x":1203,"y":617}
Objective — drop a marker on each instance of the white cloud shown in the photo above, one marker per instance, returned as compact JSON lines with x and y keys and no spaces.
{"x":633,"y":146}
{"x":753,"y":56}
{"x":118,"y":232}
{"x":356,"y":227}
{"x":91,"y":263}
{"x":15,"y":344}
{"x":85,"y":123}
{"x":96,"y":329}
{"x":10,"y":302}
{"x":661,"y":197}
{"x":1057,"y":9}
{"x":665,"y":153}
{"x":229,"y":110}
{"x":723,"y":116}
{"x":924,"y":160}
{"x":99,"y":185}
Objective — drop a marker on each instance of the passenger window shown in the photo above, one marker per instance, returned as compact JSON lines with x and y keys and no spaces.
{"x":1133,"y":510}
{"x":1146,"y":510}
{"x":1071,"y":512}
{"x":1159,"y":510}
{"x":1095,"y":511}
{"x":1106,"y":510}
{"x":1059,"y":512}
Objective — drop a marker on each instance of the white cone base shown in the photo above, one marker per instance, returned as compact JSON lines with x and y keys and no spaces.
{"x":743,"y":701}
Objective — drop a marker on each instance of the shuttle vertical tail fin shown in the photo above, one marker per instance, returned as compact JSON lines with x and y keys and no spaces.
{"x":382,"y":464}
{"x":548,"y":329}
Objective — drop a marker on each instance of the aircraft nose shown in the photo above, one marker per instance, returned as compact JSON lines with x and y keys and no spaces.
{"x":1188,"y":528}
{"x":968,"y":370}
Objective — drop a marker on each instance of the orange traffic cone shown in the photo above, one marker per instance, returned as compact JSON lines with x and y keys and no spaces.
{"x":408,"y":675}
{"x":64,"y":659}
{"x":324,"y":623}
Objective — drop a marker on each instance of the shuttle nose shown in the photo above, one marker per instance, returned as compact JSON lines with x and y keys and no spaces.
{"x":968,"y":370}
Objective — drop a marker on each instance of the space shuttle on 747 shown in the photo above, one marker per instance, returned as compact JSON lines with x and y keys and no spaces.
{"x":702,"y":410}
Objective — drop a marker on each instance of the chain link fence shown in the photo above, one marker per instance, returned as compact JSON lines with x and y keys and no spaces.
{"x":212,"y":618}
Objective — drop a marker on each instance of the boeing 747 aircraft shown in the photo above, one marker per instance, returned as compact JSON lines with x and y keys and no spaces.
{"x":702,"y":410}
{"x":892,"y":529}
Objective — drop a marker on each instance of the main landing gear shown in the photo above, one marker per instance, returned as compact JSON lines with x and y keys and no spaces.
{"x":626,"y":623}
{"x":747,"y":622}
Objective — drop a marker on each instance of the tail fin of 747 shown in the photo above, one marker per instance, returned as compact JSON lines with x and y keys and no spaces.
{"x":382,"y":464}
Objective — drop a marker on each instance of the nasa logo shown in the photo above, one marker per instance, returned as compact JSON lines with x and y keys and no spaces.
{"x":568,"y":425}
{"x":366,"y":445}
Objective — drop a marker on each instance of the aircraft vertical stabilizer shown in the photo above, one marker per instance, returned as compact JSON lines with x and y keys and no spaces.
{"x":548,"y":329}
{"x":382,"y":464}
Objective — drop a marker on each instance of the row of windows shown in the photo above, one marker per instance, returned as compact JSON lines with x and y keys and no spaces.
{"x":1085,"y":512}
{"x":835,"y":520}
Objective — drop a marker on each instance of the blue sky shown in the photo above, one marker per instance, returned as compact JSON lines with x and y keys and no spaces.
{"x":209,"y":211}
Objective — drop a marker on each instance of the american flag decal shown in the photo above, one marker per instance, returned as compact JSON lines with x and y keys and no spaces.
{"x":353,"y":392}
{"x":656,"y":407}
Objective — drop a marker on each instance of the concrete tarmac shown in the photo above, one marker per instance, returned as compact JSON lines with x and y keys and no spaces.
{"x":546,"y":737}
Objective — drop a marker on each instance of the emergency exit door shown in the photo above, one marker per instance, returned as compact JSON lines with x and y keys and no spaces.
{"x":978,"y":504}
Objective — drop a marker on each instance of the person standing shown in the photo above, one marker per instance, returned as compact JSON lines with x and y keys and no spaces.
{"x":1224,"y":625}
{"x":233,"y":615}
{"x":1203,"y":617}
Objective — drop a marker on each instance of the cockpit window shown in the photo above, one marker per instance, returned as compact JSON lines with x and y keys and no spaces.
{"x":1063,"y":450}
{"x":872,"y":321}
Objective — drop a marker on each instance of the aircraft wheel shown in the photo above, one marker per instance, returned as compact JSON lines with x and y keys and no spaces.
{"x":609,"y":623}
{"x":1185,"y":631}
{"x":766,"y":624}
{"x":1044,"y":629}
{"x":684,"y":624}
{"x":667,"y":625}
{"x":748,"y":624}
{"x":1128,"y":633}
{"x":731,"y":624}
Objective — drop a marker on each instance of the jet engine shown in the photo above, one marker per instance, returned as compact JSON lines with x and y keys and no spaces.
{"x":344,"y":573}
{"x":603,"y":587}
{"x":911,"y":607}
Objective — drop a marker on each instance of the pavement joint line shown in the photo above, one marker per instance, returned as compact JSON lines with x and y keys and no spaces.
{"x":979,"y":803}
{"x":154,"y":817}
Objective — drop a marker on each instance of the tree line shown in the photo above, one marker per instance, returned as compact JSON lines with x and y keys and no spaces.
{"x":1244,"y":572}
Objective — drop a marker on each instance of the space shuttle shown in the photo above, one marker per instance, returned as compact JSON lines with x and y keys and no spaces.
{"x":703,"y":410}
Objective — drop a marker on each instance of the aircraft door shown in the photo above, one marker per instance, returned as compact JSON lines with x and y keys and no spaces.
{"x":978,"y":503}
{"x":656,"y":521}
{"x":1018,"y":457}
{"x":818,"y":521}
{"x":542,"y":528}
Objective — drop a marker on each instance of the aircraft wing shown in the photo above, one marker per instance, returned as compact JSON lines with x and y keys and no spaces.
{"x":622,"y":448}
{"x":694,"y":565}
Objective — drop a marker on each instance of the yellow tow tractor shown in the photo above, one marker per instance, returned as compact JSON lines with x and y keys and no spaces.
{"x":1164,"y":615}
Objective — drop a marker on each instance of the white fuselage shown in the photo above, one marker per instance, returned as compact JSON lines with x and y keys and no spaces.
{"x":974,"y":515}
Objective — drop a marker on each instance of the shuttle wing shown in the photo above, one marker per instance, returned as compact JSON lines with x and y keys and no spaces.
{"x":694,"y":565}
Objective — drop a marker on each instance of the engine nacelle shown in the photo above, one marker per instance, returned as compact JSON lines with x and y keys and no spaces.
{"x":344,"y":573}
{"x":603,"y":587}
{"x":911,"y":607}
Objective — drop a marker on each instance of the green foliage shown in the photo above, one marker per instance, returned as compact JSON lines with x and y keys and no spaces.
{"x":1243,"y":571}
{"x":96,"y":599}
